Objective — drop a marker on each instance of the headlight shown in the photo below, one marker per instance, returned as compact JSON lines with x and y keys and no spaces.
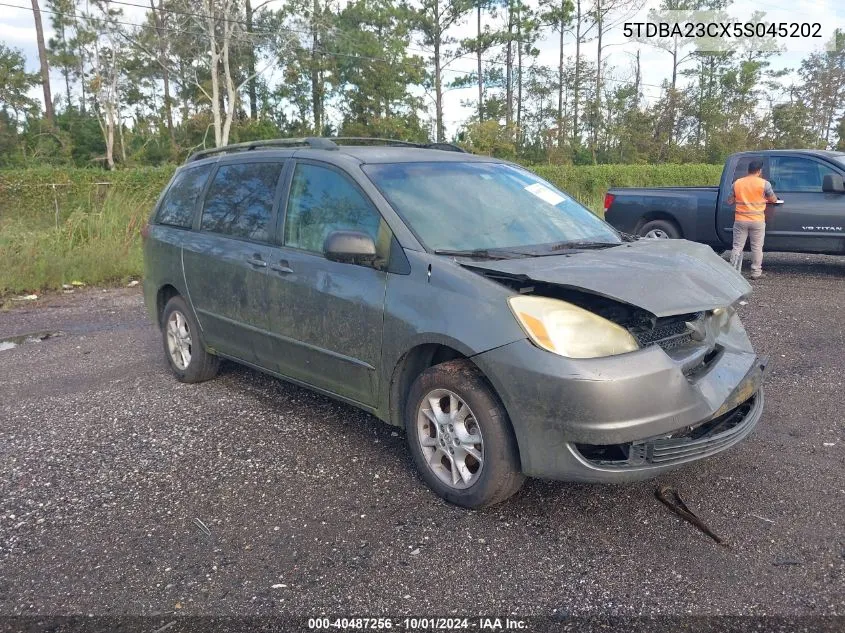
{"x":722,"y":317}
{"x":568,"y":330}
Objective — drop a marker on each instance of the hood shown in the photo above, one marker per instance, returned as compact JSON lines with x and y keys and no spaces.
{"x":665,"y":277}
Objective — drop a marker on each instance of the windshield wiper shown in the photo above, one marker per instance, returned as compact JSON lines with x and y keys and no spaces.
{"x":484,"y":253}
{"x":580,"y":245}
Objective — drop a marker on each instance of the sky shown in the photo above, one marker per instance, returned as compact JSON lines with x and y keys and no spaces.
{"x":17,"y":30}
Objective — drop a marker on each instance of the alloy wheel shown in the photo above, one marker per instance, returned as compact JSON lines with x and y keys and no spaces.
{"x":179,"y":340}
{"x":450,"y":438}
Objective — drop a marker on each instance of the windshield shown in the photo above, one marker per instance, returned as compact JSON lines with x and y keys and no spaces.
{"x":474,"y":206}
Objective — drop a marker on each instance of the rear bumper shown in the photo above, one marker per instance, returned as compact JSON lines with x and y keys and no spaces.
{"x":626,"y":417}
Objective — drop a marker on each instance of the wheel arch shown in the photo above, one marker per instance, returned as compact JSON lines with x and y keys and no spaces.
{"x":164,"y":294}
{"x":415,"y":361}
{"x":410,"y":365}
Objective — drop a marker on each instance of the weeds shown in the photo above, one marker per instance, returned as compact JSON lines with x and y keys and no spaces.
{"x":95,"y":245}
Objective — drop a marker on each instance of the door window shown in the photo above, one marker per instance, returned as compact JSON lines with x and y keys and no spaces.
{"x":177,"y":208}
{"x":742,"y":163}
{"x":240,"y":200}
{"x":322,"y":201}
{"x":791,"y":173}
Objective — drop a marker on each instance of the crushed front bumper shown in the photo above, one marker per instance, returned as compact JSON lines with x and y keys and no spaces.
{"x":627,"y":417}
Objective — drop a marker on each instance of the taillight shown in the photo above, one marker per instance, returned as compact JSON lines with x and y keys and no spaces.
{"x":145,"y":231}
{"x":608,"y":200}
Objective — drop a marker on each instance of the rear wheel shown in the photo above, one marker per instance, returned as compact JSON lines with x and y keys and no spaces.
{"x":183,"y":344}
{"x":460,"y":436}
{"x":660,"y":229}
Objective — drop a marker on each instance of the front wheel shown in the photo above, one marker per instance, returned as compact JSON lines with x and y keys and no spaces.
{"x":460,"y":436}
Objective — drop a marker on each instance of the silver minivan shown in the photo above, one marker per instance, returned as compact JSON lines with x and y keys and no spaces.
{"x":506,"y":328}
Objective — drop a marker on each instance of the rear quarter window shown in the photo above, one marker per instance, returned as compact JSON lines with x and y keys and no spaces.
{"x":177,"y":208}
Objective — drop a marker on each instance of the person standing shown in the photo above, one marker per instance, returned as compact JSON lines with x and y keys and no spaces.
{"x":750,"y":194}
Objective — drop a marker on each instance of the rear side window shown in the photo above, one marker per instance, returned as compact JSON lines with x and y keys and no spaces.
{"x":177,"y":208}
{"x":792,"y":173}
{"x":742,"y":163}
{"x":240,"y":200}
{"x":322,"y":201}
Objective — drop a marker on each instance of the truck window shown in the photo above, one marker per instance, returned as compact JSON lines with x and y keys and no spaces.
{"x":795,"y":174}
{"x":742,"y":163}
{"x":177,"y":208}
{"x":240,"y":200}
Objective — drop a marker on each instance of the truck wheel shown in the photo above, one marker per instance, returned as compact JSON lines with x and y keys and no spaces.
{"x":183,"y":344}
{"x":460,"y":436}
{"x":660,"y":229}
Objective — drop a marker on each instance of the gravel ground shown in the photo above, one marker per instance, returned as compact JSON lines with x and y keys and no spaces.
{"x":309,"y":506}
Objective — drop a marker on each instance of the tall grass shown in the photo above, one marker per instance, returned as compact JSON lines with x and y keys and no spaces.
{"x":97,"y":245}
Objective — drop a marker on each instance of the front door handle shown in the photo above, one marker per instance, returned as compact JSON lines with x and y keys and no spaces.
{"x":282,"y":267}
{"x":256,"y":261}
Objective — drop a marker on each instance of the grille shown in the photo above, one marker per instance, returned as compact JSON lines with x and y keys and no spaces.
{"x":709,"y":438}
{"x":669,"y":332}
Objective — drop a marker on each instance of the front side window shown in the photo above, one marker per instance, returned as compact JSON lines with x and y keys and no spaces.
{"x":323,"y":201}
{"x":240,"y":200}
{"x":177,"y":208}
{"x":471,"y":206}
{"x":791,"y":173}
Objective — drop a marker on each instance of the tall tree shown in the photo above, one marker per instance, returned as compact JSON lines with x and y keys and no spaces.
{"x":558,"y":13}
{"x":375,"y":73}
{"x":435,"y":19}
{"x":606,"y":15}
{"x":15,"y":84}
{"x":45,"y":66}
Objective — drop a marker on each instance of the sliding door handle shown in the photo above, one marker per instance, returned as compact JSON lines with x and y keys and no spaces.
{"x":282,"y":267}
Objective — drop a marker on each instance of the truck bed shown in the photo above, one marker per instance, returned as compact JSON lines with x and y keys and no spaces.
{"x":692,"y":209}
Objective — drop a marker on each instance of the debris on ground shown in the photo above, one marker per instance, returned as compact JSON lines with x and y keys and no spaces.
{"x":133,"y":283}
{"x":25,"y":298}
{"x":757,"y":516}
{"x":202,"y":526}
{"x":672,"y":499}
{"x":78,"y":284}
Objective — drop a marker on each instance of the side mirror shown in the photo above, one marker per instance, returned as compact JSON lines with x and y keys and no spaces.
{"x":833,"y":183}
{"x":350,"y":247}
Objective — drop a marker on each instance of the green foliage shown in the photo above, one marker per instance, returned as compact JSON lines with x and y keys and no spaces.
{"x":96,"y":245}
{"x":27,"y":195}
{"x":491,"y":139}
{"x":15,"y":84}
{"x":589,"y":183}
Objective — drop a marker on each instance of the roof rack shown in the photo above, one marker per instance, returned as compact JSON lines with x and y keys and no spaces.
{"x":314,"y":142}
{"x":318,"y":142}
{"x":366,"y":140}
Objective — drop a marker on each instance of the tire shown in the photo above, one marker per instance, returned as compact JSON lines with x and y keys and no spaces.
{"x":180,"y":333}
{"x":482,"y":483}
{"x":662,"y":229}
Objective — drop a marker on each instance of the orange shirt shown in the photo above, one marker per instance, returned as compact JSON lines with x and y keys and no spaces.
{"x":750,"y":194}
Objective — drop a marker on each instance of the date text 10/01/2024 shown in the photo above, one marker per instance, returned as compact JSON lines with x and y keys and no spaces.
{"x":418,"y":624}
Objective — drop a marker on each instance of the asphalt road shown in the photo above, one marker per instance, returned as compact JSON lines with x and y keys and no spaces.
{"x":311,"y":506}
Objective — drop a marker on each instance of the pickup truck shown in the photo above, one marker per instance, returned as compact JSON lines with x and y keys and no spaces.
{"x":809,"y":216}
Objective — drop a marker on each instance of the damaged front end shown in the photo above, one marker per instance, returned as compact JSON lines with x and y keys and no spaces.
{"x":691,"y":389}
